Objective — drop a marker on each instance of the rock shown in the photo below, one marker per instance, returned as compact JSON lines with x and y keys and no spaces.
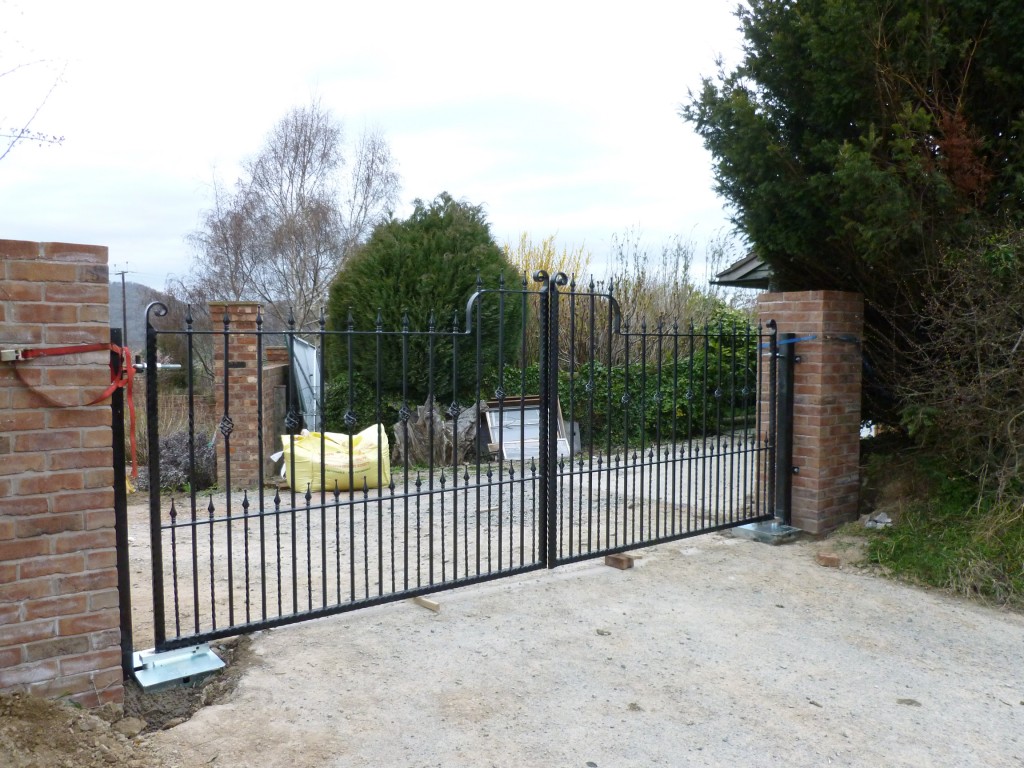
{"x":431,"y":437}
{"x":878,"y":520}
{"x":88,"y":723}
{"x":110,"y":712}
{"x":130,"y":726}
{"x":828,"y":559}
{"x":172,"y":722}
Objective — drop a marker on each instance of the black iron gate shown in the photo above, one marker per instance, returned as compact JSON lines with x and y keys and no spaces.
{"x":540,"y":427}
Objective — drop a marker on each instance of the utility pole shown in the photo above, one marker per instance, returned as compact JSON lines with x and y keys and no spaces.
{"x":124,"y":310}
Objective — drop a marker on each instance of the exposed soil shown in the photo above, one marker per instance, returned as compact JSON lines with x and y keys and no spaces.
{"x":40,"y":733}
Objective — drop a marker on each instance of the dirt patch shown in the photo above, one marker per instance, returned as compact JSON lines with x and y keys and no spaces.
{"x":173,"y":706}
{"x":42,"y":733}
{"x":848,"y":546}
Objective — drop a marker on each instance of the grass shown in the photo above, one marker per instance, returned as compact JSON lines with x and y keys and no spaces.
{"x":949,"y":537}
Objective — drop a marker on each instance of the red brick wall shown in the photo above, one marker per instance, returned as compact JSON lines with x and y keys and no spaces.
{"x":59,"y":627}
{"x":826,"y":424}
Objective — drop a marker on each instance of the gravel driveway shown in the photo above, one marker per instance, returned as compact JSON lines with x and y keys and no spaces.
{"x":711,"y":651}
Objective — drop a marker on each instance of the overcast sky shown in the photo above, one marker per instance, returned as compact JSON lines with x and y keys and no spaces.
{"x":560,"y":118}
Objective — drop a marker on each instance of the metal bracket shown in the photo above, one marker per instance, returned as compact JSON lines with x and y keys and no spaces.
{"x":184,"y":667}
{"x":11,"y":355}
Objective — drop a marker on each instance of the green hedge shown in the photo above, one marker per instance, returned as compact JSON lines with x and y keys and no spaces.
{"x":709,"y":390}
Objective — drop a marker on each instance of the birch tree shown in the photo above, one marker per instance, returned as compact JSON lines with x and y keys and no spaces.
{"x":293,"y":217}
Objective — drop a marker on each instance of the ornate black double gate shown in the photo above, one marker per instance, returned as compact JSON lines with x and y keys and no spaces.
{"x":587,"y":435}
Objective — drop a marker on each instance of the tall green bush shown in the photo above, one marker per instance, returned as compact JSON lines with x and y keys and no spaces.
{"x":418,"y":274}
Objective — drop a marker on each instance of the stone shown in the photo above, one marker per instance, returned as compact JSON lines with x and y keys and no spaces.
{"x":828,"y":559}
{"x":430,"y":438}
{"x":130,"y":727}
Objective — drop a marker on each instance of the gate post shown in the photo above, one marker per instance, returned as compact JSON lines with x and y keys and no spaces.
{"x":548,"y":501}
{"x":824,"y":471}
{"x":124,"y":580}
{"x":58,"y":561}
{"x":153,"y":440}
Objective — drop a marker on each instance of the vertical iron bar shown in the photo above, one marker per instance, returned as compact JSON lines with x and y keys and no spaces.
{"x":732,"y":425}
{"x":657,"y":502}
{"x":190,"y":340}
{"x":124,"y":582}
{"x":431,"y":342}
{"x":571,"y":410}
{"x":227,"y":478}
{"x":784,"y":431}
{"x":718,"y":431}
{"x":522,"y":451}
{"x":349,"y":423}
{"x":545,"y":501}
{"x":318,"y":426}
{"x":773,"y":384}
{"x":153,"y":438}
{"x":478,"y":311}
{"x":378,"y":337}
{"x":593,"y":531}
{"x":193,"y":496}
{"x":704,"y":466}
{"x":642,"y":420}
{"x":455,"y":410}
{"x":500,"y":396}
{"x":626,"y":400}
{"x":674,"y":464}
{"x":291,"y":397}
{"x":612,"y":533}
{"x":259,"y":475}
{"x":405,"y":414}
{"x":691,"y":495}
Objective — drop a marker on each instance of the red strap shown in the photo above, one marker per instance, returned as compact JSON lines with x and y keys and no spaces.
{"x":123,"y":381}
{"x":74,"y":349}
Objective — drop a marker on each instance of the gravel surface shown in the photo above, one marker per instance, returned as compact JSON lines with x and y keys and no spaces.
{"x":711,"y":651}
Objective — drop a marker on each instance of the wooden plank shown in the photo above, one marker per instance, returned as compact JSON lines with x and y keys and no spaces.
{"x":430,"y":605}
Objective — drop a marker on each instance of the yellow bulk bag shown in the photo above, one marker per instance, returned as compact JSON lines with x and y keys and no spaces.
{"x":370,"y":461}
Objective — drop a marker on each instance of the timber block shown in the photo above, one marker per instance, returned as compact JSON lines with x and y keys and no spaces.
{"x":622,"y":562}
{"x":430,"y":605}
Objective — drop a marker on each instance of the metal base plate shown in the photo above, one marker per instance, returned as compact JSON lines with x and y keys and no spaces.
{"x":767,"y":533}
{"x":183,"y":667}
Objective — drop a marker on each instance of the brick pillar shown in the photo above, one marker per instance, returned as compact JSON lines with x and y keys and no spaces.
{"x":242,"y":371}
{"x":826,"y":421}
{"x":59,"y":625}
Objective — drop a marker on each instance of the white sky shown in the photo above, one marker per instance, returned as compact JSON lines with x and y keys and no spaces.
{"x":558,"y":117}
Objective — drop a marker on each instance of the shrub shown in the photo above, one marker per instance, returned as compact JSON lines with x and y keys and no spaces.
{"x":412,"y":274}
{"x":175,"y":463}
{"x":706,"y":384}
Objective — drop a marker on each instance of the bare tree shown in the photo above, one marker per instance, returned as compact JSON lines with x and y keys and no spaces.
{"x":293,"y":218}
{"x":16,"y":129}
